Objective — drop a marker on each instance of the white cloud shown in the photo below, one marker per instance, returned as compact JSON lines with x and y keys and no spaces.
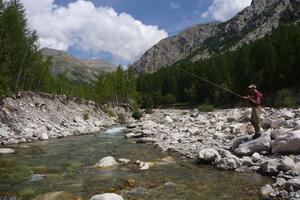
{"x":222,"y":10}
{"x":174,"y":6}
{"x":94,"y":29}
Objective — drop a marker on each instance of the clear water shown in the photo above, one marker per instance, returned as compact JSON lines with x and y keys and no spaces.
{"x":68,"y":166}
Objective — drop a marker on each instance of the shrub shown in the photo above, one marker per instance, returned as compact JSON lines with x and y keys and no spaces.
{"x":149,"y":111}
{"x":121,"y":118}
{"x":136,"y":114}
{"x":285,"y":99}
{"x":86,"y":116}
{"x":169,"y":99}
{"x":108,"y":111}
{"x":206,"y":108}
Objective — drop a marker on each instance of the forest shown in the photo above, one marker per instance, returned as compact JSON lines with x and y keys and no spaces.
{"x":272,"y":63}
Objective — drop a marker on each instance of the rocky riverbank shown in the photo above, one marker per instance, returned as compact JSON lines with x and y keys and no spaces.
{"x":223,"y":138}
{"x":28,"y":116}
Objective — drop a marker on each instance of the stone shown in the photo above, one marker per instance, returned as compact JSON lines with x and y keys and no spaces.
{"x":277,"y":123}
{"x":284,"y":194}
{"x":168,"y":119}
{"x":37,"y":177}
{"x":124,"y":160}
{"x":239,"y":141}
{"x":270,"y":167}
{"x":208,"y":155}
{"x":6,"y":150}
{"x":267,"y":192}
{"x":144,"y":166}
{"x":255,"y":157}
{"x":280,"y":182}
{"x":234,"y":116}
{"x":278,"y":132}
{"x":287,"y":114}
{"x":218,"y":135}
{"x":287,"y":143}
{"x":193,"y":131}
{"x":260,"y":144}
{"x":107,"y":196}
{"x":228,"y":163}
{"x":106,"y":162}
{"x":246,"y":161}
{"x":41,"y":133}
{"x":286,"y":164}
{"x":294,"y":182}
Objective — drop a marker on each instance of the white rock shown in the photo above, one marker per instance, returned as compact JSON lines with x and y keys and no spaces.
{"x":44,"y":136}
{"x":287,"y":143}
{"x":260,"y":144}
{"x":209,"y":155}
{"x":229,"y":163}
{"x":107,"y":196}
{"x":106,"y":162}
{"x":193,"y":131}
{"x":168,"y":119}
{"x":277,"y":123}
{"x":255,"y":157}
{"x":144,"y":166}
{"x":6,"y":150}
{"x":278,"y":132}
{"x":234,"y":116}
{"x":267,"y":192}
{"x":287,"y":114}
{"x":124,"y":160}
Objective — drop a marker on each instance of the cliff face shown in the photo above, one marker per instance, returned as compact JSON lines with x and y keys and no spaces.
{"x":202,"y":41}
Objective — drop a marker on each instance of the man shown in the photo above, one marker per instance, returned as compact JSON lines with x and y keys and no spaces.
{"x":255,"y":99}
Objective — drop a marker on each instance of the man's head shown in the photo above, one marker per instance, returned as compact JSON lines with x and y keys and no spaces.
{"x":252,"y":87}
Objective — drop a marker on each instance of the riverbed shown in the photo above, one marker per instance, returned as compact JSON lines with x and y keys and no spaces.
{"x":67,"y":165}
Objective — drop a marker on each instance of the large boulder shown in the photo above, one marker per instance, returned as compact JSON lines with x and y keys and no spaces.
{"x":286,"y":114}
{"x":106,"y":162}
{"x":107,"y":196}
{"x":278,"y":132}
{"x":287,"y":143}
{"x":277,"y":123}
{"x":208,"y":155}
{"x":294,"y":182}
{"x":270,"y":167}
{"x":260,"y":144}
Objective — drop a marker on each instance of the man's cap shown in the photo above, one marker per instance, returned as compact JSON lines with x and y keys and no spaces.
{"x":252,"y":86}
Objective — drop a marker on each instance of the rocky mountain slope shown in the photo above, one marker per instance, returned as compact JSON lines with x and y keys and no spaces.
{"x":75,"y":69}
{"x":202,"y":41}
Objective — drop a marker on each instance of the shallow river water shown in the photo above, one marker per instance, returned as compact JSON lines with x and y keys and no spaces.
{"x":68,"y":166}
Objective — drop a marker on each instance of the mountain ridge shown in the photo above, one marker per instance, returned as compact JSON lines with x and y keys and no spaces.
{"x":202,"y":41}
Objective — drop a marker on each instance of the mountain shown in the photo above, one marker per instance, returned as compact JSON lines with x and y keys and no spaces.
{"x":74,"y":68}
{"x":202,"y":41}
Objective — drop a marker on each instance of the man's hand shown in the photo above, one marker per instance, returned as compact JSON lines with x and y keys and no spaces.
{"x":246,"y":97}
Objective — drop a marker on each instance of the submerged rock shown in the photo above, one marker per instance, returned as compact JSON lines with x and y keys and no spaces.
{"x":6,"y":150}
{"x":106,"y":162}
{"x":107,"y":196}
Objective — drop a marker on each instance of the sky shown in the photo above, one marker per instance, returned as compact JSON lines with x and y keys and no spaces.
{"x":119,"y":31}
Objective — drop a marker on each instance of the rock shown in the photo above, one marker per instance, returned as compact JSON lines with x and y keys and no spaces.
{"x":234,"y":116}
{"x":6,"y":150}
{"x":193,"y":131}
{"x":107,"y":196}
{"x":284,"y":194}
{"x":255,"y":157}
{"x":286,"y":164}
{"x":267,"y":192}
{"x":241,"y":128}
{"x":55,"y":196}
{"x":106,"y":162}
{"x":277,"y":123}
{"x":246,"y":161}
{"x":134,"y":135}
{"x":239,"y":141}
{"x":294,"y":182}
{"x":168,"y":119}
{"x":144,"y":165}
{"x":278,"y":132}
{"x":124,"y":160}
{"x":37,"y":177}
{"x":44,"y":136}
{"x":208,"y":155}
{"x":287,"y":143}
{"x":287,"y":114}
{"x":260,"y":144}
{"x":41,"y":133}
{"x":270,"y":167}
{"x":228,"y":163}
{"x":280,"y":182}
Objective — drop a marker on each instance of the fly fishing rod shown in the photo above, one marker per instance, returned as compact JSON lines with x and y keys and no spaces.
{"x":212,"y":83}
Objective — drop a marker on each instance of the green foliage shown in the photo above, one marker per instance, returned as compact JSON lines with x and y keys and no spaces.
{"x":285,"y":99}
{"x":121,"y":118}
{"x":206,"y":108}
{"x":108,"y":110}
{"x":136,"y":114}
{"x":149,"y":111}
{"x":272,"y":63}
{"x":86,"y":116}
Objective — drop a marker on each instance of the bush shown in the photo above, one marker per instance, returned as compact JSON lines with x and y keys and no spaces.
{"x":108,"y":111}
{"x":86,"y":116}
{"x":121,"y":118}
{"x":285,"y":99}
{"x":206,"y":108}
{"x":136,"y":114}
{"x":169,"y":99}
{"x":149,"y":111}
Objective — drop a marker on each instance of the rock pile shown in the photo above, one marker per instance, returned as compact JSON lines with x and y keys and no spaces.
{"x":223,"y":138}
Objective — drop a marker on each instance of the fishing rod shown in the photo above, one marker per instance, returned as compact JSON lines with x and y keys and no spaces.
{"x":205,"y":80}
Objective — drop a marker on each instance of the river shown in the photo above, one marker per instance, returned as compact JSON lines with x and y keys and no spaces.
{"x":67,"y":164}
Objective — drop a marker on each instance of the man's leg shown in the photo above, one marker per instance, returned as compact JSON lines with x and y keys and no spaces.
{"x":255,"y":123}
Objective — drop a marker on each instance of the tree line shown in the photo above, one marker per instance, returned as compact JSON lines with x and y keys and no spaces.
{"x":272,"y":63}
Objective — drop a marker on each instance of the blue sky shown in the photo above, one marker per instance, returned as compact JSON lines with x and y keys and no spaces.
{"x":119,"y":31}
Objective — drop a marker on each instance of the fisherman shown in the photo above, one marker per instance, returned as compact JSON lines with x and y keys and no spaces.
{"x":255,"y":99}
